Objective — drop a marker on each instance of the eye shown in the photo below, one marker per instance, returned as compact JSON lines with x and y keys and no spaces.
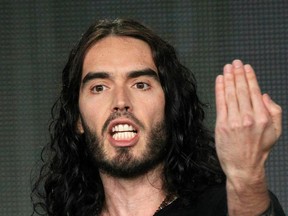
{"x":98,"y":89}
{"x":141,"y":85}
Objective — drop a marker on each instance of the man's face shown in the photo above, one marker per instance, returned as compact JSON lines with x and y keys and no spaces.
{"x":121,"y":104}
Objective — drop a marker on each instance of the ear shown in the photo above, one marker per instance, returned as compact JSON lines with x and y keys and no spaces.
{"x":79,"y":126}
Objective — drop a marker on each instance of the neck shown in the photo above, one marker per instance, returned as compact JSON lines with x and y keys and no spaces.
{"x":139,"y":196}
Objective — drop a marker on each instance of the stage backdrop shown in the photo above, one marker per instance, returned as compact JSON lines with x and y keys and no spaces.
{"x":36,"y":37}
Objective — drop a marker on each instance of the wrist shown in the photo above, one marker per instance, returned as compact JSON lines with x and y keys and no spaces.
{"x":268,"y":212}
{"x":241,"y":179}
{"x":247,"y":197}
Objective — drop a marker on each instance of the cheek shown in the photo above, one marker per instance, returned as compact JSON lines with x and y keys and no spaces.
{"x":159,"y":103}
{"x":93,"y":114}
{"x":155,"y":108}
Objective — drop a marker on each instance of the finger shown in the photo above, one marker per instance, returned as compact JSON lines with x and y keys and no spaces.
{"x":221,"y":109}
{"x":275,"y":112}
{"x":230,"y":91}
{"x":255,"y":91}
{"x":242,"y":88}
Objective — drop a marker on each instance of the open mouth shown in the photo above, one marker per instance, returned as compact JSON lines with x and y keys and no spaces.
{"x":123,"y":132}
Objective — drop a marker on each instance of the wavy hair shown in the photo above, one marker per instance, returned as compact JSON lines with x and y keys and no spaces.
{"x":69,"y":183}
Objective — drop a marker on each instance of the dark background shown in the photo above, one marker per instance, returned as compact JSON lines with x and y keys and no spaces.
{"x":36,"y":37}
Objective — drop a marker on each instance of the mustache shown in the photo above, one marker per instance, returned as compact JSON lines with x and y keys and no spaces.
{"x":116,"y":115}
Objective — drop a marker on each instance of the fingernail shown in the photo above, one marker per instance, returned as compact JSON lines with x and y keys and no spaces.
{"x":219,"y":79}
{"x":228,"y":68}
{"x":247,"y":68}
{"x":237,"y":63}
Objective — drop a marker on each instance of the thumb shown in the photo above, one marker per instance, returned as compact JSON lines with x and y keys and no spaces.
{"x":275,"y":112}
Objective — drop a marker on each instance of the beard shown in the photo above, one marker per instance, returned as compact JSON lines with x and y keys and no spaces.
{"x":124,"y":164}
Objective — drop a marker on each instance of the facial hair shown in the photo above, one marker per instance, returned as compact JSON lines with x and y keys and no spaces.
{"x":125,"y":164}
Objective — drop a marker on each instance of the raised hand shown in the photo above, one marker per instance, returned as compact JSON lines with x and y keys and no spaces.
{"x":247,"y":126}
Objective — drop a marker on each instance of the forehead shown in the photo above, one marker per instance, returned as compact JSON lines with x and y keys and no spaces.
{"x":118,"y":53}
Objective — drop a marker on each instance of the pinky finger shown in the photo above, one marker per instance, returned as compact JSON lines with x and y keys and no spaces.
{"x":221,"y":108}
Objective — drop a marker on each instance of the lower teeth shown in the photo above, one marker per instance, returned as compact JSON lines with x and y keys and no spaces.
{"x":124,"y":135}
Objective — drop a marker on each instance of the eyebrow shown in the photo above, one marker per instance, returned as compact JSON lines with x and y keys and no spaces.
{"x":95,"y":75}
{"x":145,"y":72}
{"x":132,"y":74}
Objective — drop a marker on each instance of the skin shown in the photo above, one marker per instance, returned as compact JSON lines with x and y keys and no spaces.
{"x":248,"y":125}
{"x":141,"y":95}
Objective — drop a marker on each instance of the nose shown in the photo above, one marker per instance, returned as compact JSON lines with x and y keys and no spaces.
{"x":121,"y":100}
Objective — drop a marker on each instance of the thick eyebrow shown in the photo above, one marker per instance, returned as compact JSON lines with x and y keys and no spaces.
{"x":95,"y":75}
{"x":144,"y":72}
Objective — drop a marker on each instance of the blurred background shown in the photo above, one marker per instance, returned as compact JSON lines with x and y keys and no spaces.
{"x":36,"y":37}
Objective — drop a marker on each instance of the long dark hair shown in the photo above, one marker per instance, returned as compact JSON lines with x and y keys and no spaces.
{"x":69,"y":183}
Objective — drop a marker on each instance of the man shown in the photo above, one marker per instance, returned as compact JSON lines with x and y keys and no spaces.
{"x":129,"y":138}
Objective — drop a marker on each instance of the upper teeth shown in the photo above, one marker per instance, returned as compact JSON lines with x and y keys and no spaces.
{"x":122,"y":127}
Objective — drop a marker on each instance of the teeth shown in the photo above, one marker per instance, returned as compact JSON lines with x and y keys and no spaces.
{"x":124,"y":135}
{"x":123,"y":132}
{"x":122,"y":128}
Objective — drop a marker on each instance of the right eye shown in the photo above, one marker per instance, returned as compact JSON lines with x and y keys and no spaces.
{"x":98,"y":89}
{"x":142,"y":86}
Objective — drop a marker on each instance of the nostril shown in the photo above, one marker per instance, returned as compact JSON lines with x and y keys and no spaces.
{"x":125,"y":108}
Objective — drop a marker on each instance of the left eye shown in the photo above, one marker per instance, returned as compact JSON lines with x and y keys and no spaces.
{"x":142,"y":85}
